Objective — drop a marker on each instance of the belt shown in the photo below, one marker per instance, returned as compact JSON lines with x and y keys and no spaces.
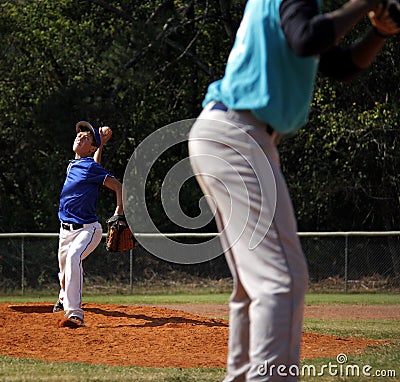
{"x":71,"y":226}
{"x":222,"y":107}
{"x":219,"y":106}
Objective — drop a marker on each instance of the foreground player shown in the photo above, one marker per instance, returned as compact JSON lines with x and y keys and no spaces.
{"x":80,"y":231}
{"x":265,"y":94}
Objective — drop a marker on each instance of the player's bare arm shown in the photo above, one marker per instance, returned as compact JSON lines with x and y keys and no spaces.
{"x":105,"y":135}
{"x":116,"y":186}
{"x":346,"y":17}
{"x":364,"y":51}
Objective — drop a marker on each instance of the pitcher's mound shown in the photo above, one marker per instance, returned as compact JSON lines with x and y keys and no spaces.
{"x":121,"y":335}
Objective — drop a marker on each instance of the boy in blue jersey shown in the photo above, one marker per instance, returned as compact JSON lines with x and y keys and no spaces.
{"x":80,"y":231}
{"x":265,"y":94}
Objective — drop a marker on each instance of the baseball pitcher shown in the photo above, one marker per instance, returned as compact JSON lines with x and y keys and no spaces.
{"x":80,"y":231}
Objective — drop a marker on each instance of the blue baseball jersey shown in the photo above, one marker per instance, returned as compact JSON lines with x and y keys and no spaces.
{"x":80,"y":193}
{"x":263,"y":74}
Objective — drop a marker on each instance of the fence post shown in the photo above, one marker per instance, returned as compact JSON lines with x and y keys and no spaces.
{"x":346,"y":262}
{"x":22,"y":264}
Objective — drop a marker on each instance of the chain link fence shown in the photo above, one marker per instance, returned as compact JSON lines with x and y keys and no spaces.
{"x":337,"y":261}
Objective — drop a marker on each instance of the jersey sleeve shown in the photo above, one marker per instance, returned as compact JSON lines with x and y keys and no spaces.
{"x":307,"y":31}
{"x":97,"y":174}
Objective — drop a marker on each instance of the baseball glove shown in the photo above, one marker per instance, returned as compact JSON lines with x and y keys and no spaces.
{"x":119,"y":236}
{"x":386,"y":18}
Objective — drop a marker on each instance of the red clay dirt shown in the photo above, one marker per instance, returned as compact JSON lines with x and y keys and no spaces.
{"x":152,"y":336}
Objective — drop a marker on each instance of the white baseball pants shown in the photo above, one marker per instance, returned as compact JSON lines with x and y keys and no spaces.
{"x":74,"y":246}
{"x":236,"y":163}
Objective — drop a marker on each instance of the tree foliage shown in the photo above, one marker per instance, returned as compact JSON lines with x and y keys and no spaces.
{"x":137,"y":66}
{"x":348,"y":159}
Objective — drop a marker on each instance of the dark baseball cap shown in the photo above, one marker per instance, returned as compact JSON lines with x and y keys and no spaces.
{"x":86,"y":126}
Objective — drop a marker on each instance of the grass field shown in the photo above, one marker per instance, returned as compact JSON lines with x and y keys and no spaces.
{"x":209,"y":298}
{"x":385,"y":359}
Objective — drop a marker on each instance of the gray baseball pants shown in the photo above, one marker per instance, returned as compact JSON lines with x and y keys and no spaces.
{"x":236,"y":163}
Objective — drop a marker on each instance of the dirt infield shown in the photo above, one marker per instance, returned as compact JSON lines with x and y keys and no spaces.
{"x":156,"y":336}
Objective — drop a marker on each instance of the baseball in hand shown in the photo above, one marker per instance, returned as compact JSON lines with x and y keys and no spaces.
{"x":105,"y":130}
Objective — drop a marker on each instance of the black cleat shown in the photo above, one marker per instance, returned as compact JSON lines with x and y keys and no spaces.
{"x":58,"y":306}
{"x":74,"y":322}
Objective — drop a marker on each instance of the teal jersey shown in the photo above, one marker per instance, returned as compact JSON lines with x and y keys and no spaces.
{"x":263,"y":74}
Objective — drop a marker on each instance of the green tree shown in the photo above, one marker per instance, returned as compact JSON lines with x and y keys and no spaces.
{"x":135,"y":66}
